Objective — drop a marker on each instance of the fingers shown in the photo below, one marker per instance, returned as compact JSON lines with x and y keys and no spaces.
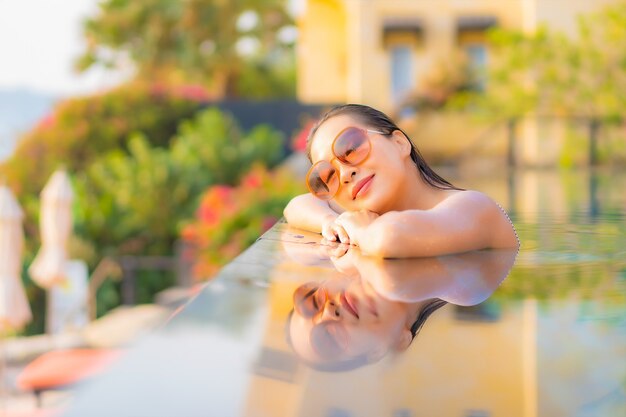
{"x":328,"y":233}
{"x":334,"y":232}
{"x":333,"y":249}
{"x":342,"y":234}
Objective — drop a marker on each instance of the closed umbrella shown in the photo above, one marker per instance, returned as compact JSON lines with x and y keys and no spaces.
{"x":49,"y":266}
{"x":14,"y":307}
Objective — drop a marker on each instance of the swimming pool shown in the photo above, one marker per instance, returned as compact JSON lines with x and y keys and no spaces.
{"x":545,"y":338}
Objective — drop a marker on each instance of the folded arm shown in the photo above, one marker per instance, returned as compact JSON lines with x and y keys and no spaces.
{"x":310,"y":213}
{"x":466,"y":221}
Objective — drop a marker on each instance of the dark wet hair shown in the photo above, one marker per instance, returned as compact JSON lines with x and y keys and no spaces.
{"x":380,"y":121}
{"x":424,"y":313}
{"x":361,"y":360}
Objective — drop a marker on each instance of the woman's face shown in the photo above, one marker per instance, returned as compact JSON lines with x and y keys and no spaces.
{"x":341,"y":319}
{"x":375,"y":183}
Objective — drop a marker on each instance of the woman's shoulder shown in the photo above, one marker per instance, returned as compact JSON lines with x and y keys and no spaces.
{"x":474,"y":204}
{"x":467,"y":199}
{"x":485,"y":211}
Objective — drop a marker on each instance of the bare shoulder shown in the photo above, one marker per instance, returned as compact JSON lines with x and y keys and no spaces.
{"x":468,"y":200}
{"x":482,"y":210}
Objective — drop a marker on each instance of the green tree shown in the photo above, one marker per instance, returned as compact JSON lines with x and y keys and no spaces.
{"x":550,"y":73}
{"x":212,"y":42}
{"x":133,"y":202}
{"x":82,"y":129}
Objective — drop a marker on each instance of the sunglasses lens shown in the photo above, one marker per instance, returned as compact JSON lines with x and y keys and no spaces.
{"x":323,"y":180}
{"x":352,"y":146}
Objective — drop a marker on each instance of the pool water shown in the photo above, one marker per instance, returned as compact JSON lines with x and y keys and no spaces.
{"x":569,"y":287}
{"x":546,"y":337}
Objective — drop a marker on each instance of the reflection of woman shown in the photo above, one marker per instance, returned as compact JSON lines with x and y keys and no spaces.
{"x":370,"y":187}
{"x":378,"y":306}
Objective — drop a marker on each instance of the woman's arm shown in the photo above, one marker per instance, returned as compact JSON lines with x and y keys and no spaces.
{"x":309,"y":213}
{"x":464,"y":278}
{"x":465,"y":221}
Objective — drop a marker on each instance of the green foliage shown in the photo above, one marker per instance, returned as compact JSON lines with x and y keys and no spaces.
{"x":262,"y":79}
{"x":197,"y":40}
{"x":119,"y":193}
{"x":81,"y":129}
{"x":550,"y":73}
{"x":133,"y":203}
{"x":36,"y":298}
{"x":229,"y":219}
{"x":214,"y":143}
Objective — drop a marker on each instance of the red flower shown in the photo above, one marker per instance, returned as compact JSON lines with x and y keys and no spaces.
{"x":207,"y":214}
{"x":298,"y":143}
{"x":48,"y":121}
{"x":223,"y":192}
{"x":193,"y":92}
{"x":268,"y":222}
{"x":252,"y":180}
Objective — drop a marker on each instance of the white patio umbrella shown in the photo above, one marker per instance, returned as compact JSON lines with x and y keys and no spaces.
{"x":14,"y":308}
{"x":49,"y":266}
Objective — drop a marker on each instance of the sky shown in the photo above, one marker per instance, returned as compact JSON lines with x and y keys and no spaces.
{"x":39,"y":41}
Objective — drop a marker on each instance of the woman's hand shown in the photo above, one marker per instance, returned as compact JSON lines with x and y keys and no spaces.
{"x":355,"y":224}
{"x":333,"y":249}
{"x":334,"y":232}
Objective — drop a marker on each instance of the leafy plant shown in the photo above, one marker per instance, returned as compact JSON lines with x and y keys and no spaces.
{"x":82,"y":129}
{"x":229,"y":219}
{"x":210,"y":42}
{"x":550,"y":73}
{"x":133,"y":202}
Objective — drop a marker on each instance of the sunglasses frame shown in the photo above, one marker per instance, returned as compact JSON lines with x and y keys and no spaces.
{"x":332,"y":148}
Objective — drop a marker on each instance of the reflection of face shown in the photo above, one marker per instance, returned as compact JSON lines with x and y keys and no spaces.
{"x":340,"y":319}
{"x":384,"y":166}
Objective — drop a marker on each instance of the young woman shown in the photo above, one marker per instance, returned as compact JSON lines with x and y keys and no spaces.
{"x":370,"y":187}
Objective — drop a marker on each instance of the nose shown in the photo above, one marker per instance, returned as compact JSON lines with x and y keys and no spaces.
{"x":346,"y":173}
{"x":330,"y":311}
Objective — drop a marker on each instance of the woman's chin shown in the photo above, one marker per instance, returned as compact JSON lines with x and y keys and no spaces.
{"x":372,"y":201}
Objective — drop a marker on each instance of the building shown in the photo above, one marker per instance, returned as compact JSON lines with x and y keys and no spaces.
{"x":378,"y":52}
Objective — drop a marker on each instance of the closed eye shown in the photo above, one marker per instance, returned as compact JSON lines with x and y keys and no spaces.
{"x":321,"y":184}
{"x":330,"y":176}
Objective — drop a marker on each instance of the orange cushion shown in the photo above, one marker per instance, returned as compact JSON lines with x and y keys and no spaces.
{"x":65,"y":367}
{"x":39,"y":412}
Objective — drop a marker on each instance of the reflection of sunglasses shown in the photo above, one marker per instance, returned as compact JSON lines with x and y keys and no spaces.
{"x":351,"y":147}
{"x":308,"y":299}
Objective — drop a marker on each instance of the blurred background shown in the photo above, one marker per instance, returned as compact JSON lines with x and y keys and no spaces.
{"x":179,"y":126}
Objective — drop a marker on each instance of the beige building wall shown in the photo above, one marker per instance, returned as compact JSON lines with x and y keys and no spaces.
{"x":559,"y":14}
{"x":345,"y":46}
{"x":344,"y":53}
{"x":322,"y":52}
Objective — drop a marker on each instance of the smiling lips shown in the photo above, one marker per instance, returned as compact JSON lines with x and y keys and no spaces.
{"x":359,"y":185}
{"x":350,"y":305}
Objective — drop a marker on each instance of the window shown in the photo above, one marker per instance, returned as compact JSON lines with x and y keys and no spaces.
{"x":471,"y":37}
{"x":402,"y":72}
{"x":477,"y":56}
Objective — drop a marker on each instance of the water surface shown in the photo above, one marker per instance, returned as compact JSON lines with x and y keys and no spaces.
{"x":547,"y":338}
